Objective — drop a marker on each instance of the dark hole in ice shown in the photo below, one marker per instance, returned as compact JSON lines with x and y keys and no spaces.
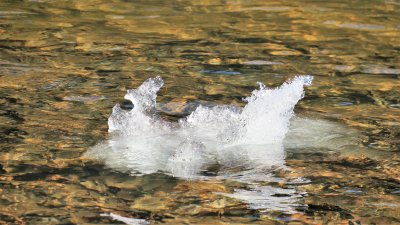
{"x":127,"y":105}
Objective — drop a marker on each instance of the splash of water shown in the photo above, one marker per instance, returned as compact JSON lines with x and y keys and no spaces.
{"x":243,"y":144}
{"x":231,"y":137}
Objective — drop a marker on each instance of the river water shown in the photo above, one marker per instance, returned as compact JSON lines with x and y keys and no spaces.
{"x":65,"y":64}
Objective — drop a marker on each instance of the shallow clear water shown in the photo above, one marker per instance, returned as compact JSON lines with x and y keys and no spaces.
{"x":65,"y":64}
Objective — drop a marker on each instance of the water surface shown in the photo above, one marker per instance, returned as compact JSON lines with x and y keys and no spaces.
{"x":64,"y":65}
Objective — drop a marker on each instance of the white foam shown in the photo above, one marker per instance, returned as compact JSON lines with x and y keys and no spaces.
{"x":248,"y":138}
{"x":126,"y":220}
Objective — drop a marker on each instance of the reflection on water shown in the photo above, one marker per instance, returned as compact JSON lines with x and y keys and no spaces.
{"x":64,"y":64}
{"x":269,"y":198}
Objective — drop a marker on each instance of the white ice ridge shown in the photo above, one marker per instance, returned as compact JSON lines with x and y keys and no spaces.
{"x":230,"y":137}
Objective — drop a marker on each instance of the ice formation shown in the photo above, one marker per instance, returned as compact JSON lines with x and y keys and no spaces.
{"x":251,"y":137}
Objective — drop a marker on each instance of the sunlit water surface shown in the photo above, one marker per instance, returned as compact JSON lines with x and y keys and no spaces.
{"x":65,"y":64}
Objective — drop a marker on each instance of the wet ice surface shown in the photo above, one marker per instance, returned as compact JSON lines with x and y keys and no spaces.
{"x":224,"y":141}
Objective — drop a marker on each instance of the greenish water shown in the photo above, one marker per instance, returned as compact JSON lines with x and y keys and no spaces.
{"x":64,"y":64}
